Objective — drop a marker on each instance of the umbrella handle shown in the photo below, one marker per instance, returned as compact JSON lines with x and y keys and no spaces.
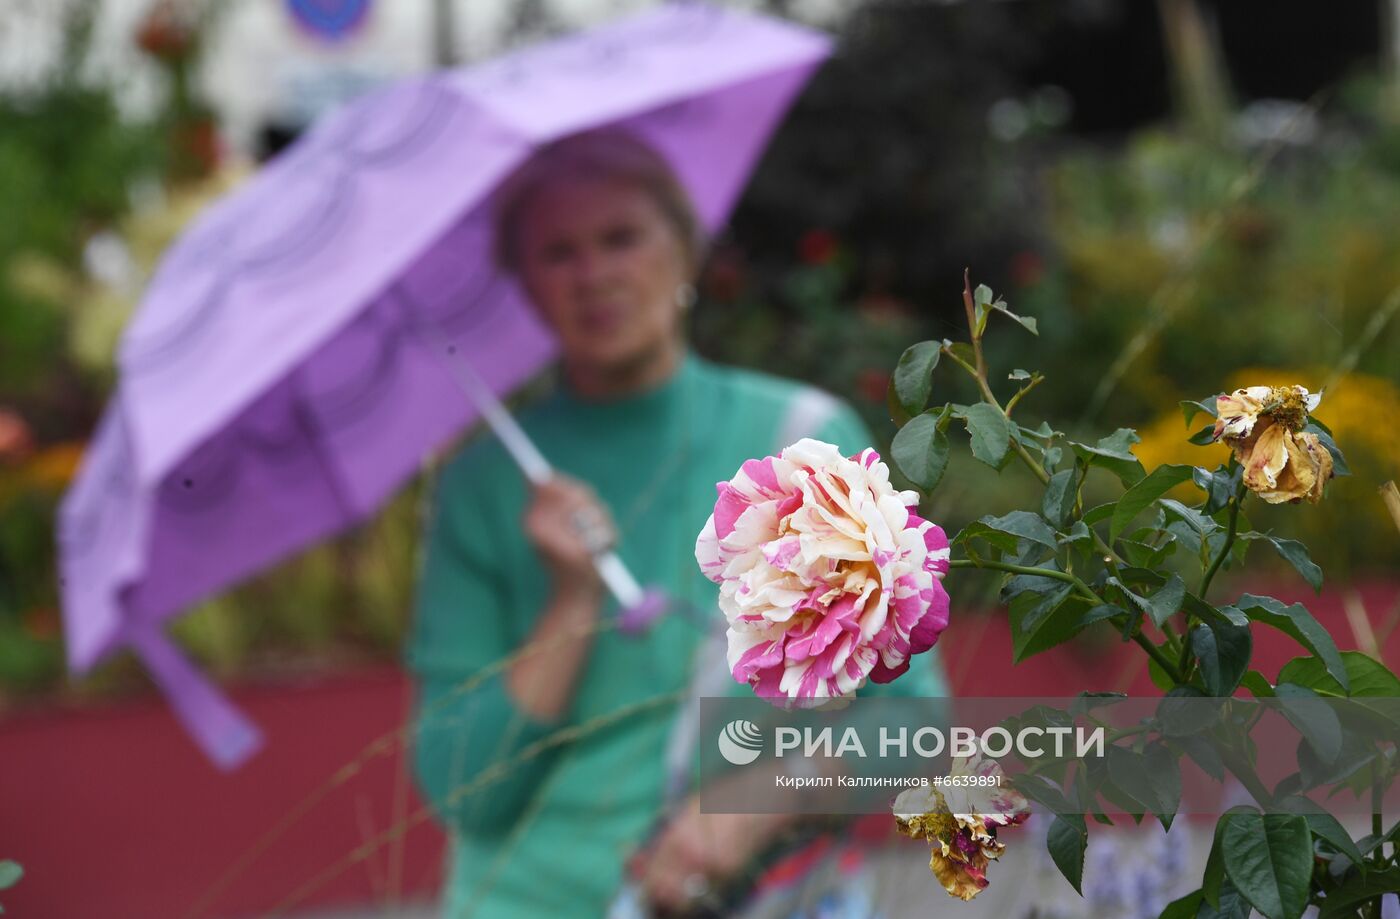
{"x":636,"y":608}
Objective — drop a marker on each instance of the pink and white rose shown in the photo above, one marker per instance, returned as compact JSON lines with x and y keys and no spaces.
{"x":827,"y":576}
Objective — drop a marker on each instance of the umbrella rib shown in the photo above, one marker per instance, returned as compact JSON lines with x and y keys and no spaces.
{"x":315,"y":436}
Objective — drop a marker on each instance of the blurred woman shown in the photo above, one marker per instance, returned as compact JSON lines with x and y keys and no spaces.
{"x":605,"y":243}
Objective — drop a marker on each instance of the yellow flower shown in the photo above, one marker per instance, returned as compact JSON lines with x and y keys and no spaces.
{"x":1263,"y":425}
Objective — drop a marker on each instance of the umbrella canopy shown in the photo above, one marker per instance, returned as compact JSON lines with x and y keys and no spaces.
{"x":287,"y":369}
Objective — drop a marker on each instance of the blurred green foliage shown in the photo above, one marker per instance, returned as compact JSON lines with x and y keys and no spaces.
{"x":1178,"y":269}
{"x":68,"y":162}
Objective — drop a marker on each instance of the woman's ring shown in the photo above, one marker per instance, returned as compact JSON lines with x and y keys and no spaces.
{"x":591,"y":528}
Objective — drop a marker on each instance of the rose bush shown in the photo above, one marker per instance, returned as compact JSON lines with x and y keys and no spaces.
{"x":1145,"y":563}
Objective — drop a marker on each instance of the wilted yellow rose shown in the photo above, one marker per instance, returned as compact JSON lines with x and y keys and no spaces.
{"x":1263,"y":425}
{"x":963,"y":830}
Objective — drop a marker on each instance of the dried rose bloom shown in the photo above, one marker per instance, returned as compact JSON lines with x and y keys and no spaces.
{"x":963,"y":830}
{"x":1263,"y":425}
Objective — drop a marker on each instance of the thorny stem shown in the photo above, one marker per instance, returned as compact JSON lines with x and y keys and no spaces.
{"x":1142,"y":640}
{"x":972,"y":326}
{"x":1025,"y":569}
{"x":1235,"y":501}
{"x":978,"y":371}
{"x":980,"y":375}
{"x":1010,"y":406}
{"x":1183,"y":658}
{"x":990,"y":398}
{"x":981,"y":378}
{"x":1156,"y":654}
{"x":1377,"y":824}
{"x":1174,"y":641}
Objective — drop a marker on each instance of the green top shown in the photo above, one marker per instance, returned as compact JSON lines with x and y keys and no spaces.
{"x":550,"y":827}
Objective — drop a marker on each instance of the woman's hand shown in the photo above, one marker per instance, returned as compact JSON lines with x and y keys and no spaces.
{"x":697,"y":853}
{"x":568,"y":525}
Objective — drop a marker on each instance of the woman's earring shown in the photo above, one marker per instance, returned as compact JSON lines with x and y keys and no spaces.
{"x":685,"y":296}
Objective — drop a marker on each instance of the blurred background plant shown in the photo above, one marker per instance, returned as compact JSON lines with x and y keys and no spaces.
{"x":1220,"y":213}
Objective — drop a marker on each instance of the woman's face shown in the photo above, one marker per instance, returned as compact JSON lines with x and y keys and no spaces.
{"x":603,"y":264}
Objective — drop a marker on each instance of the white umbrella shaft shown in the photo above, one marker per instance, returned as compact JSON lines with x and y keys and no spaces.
{"x":536,"y":468}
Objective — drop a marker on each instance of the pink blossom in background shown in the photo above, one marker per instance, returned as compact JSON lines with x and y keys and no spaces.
{"x":827,"y":576}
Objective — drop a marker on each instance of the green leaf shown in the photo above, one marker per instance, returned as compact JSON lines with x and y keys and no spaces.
{"x":1204,"y":437}
{"x":1077,"y":533}
{"x":1255,"y":682}
{"x":1043,"y":791}
{"x":1298,"y":623}
{"x":1099,"y":513}
{"x":1142,"y":495}
{"x":1059,"y":497}
{"x":1030,"y":609}
{"x":1223,"y":651}
{"x":963,"y":350}
{"x":1366,"y":676}
{"x":1018,"y":374}
{"x":1351,"y":766}
{"x":1067,"y":839}
{"x":913,"y":375}
{"x":1189,"y":410}
{"x":982,"y":301}
{"x":1325,"y":827}
{"x":1023,"y":525}
{"x":1152,"y":778}
{"x":1231,"y":905}
{"x":920,"y":449}
{"x":985,"y":303}
{"x":10,"y":873}
{"x":1296,"y":554}
{"x":1344,"y":900}
{"x":1165,"y":602}
{"x":1199,"y":523}
{"x":1034,"y":630}
{"x":1161,"y":605}
{"x":978,"y":530}
{"x":1114,"y":453}
{"x":1180,"y":714}
{"x":1268,"y":857}
{"x":1205,"y":755}
{"x":1183,"y":908}
{"x":1214,"y":877}
{"x":1027,"y":322}
{"x":1219,"y":485}
{"x":1145,"y":555}
{"x":990,"y":433}
{"x":1313,"y":718}
{"x":1208,"y":614}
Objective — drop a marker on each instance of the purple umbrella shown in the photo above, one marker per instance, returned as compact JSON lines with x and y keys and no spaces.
{"x":295,"y":358}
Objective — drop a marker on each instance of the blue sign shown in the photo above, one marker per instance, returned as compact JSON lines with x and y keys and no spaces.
{"x":329,"y":20}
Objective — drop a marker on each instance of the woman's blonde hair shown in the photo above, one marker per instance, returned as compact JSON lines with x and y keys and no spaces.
{"x":606,"y":155}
